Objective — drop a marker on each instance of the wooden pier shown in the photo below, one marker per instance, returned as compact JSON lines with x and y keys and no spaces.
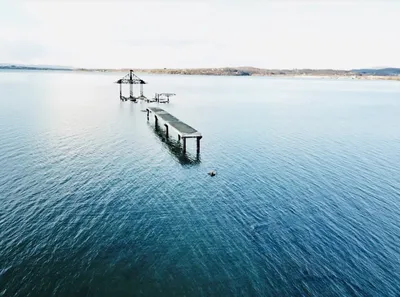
{"x":184,"y":130}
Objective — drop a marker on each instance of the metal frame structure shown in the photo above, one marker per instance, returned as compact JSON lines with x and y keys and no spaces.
{"x":163,"y":97}
{"x":131,"y":79}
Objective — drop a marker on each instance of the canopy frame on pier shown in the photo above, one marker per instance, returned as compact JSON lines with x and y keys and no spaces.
{"x":131,"y":79}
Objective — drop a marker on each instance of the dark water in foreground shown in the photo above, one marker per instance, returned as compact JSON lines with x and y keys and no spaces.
{"x":93,"y":202}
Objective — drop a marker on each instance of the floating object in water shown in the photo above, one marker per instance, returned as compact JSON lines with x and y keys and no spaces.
{"x":212,"y":173}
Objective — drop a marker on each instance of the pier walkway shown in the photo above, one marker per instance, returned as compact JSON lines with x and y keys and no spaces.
{"x":184,"y":130}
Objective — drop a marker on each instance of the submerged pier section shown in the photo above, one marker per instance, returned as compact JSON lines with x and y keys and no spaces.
{"x":184,"y":130}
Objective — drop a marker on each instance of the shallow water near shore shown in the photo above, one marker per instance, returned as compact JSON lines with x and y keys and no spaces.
{"x":95,"y":202}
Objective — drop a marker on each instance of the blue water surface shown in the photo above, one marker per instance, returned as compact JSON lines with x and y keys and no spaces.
{"x":94,"y":201}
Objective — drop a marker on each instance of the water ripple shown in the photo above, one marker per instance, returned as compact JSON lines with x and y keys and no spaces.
{"x":96,"y":202}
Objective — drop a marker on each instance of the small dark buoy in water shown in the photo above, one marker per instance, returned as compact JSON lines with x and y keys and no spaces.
{"x":212,"y":173}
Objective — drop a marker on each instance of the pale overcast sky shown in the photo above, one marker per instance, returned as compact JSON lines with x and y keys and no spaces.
{"x":189,"y":33}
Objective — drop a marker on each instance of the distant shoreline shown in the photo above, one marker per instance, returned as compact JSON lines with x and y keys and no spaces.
{"x":367,"y":74}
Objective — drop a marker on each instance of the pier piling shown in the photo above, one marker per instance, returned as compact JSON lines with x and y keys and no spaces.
{"x":184,"y":146}
{"x":131,"y":85}
{"x":198,"y":144}
{"x":166,"y":130}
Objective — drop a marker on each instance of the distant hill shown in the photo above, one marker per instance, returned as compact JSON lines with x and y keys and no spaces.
{"x":33,"y":67}
{"x":249,"y":71}
{"x":388,"y":73}
{"x":378,"y":71}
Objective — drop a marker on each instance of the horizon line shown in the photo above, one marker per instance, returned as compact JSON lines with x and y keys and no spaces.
{"x":181,"y":68}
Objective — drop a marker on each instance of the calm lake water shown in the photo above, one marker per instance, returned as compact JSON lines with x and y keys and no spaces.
{"x":95,"y":202}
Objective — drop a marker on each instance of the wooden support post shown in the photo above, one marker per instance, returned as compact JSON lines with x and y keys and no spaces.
{"x":166,"y":130}
{"x":198,"y":145}
{"x":141,"y":90}
{"x":130,"y":84}
{"x":131,"y":90}
{"x":148,"y":113}
{"x":120,"y":91}
{"x":155,"y":117}
{"x":184,"y":145}
{"x":179,"y":137}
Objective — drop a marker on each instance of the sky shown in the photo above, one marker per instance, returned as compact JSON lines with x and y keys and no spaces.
{"x":341,"y":34}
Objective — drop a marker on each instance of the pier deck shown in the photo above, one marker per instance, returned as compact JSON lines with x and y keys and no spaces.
{"x":184,"y":130}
